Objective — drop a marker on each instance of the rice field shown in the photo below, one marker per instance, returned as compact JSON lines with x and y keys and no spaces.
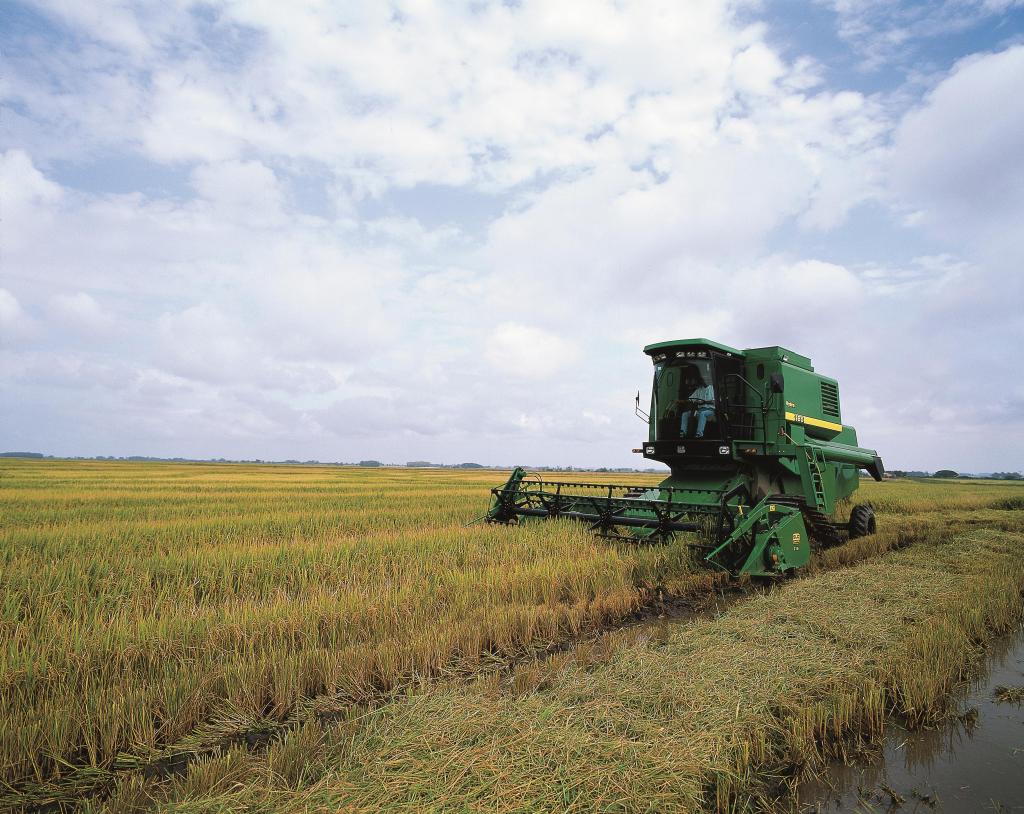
{"x":153,"y":608}
{"x":717,"y":715}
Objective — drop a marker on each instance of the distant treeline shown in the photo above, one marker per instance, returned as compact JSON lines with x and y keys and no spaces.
{"x":369,"y":463}
{"x":949,"y":473}
{"x":892,"y":473}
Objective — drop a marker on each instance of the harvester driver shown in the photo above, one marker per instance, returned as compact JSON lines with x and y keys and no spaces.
{"x":702,"y":406}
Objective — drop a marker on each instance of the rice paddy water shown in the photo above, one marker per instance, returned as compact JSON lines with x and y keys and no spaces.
{"x":971,"y":761}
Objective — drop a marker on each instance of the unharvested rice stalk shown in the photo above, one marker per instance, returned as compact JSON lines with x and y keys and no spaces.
{"x":720,"y":716}
{"x":140,"y":601}
{"x":152,"y":605}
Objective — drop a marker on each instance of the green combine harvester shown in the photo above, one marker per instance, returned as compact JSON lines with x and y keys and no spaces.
{"x":760,"y":461}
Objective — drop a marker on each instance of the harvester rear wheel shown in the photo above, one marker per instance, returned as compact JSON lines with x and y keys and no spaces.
{"x":862,"y":521}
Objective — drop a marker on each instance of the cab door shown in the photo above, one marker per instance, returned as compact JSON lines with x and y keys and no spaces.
{"x":666,"y":391}
{"x":730,"y":397}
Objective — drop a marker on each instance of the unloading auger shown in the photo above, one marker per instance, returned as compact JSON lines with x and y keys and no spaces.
{"x":759,"y":459}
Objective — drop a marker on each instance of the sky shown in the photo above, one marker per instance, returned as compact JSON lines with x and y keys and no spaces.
{"x":445,"y":231}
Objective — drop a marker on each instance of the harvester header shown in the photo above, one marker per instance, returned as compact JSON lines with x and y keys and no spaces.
{"x":759,"y":456}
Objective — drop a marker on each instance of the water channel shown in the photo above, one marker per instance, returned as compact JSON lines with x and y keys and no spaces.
{"x":972,"y":763}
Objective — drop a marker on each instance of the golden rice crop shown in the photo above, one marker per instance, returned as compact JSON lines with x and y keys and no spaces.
{"x":717,"y":715}
{"x":139,"y":600}
{"x":145,"y":605}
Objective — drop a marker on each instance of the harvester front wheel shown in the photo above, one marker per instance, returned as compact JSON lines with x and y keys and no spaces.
{"x":862,"y":521}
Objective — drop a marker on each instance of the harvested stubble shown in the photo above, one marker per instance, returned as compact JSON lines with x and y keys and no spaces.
{"x":721,"y":715}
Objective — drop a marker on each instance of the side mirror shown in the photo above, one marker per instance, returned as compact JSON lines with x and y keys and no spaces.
{"x":643,"y":416}
{"x":777,"y":383}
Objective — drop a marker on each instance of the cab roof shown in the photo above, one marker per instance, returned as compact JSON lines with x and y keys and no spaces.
{"x":676,"y":343}
{"x":754,"y":354}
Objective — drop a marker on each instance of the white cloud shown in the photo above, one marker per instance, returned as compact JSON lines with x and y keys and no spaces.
{"x":15,"y":324}
{"x":113,"y":24}
{"x":928,"y":273}
{"x":805,"y":284}
{"x":28,"y":205}
{"x":606,"y":175}
{"x":957,"y":159}
{"x":10,"y":308}
{"x":885,"y":32}
{"x":528,"y":352}
{"x":757,"y":69}
{"x":82,"y":312}
{"x":446,"y":94}
{"x":23,"y":184}
{"x":203,"y":343}
{"x":597,"y":419}
{"x":246,"y":191}
{"x":198,"y":114}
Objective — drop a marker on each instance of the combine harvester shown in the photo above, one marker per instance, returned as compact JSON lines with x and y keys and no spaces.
{"x":759,"y":460}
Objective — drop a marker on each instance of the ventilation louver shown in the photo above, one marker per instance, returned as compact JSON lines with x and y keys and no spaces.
{"x":830,"y":399}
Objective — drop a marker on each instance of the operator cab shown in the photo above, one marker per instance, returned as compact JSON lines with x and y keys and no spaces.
{"x":697,"y":387}
{"x":684,"y":400}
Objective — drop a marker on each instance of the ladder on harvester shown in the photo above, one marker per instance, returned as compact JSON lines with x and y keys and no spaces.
{"x":816,"y":470}
{"x":812,"y":472}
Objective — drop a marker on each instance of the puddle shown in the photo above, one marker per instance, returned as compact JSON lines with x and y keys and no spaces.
{"x":973,"y":763}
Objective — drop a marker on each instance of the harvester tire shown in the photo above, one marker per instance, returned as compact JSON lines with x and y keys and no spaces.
{"x":862,"y":521}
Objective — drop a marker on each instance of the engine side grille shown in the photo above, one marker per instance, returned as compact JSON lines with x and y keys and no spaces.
{"x":830,"y":399}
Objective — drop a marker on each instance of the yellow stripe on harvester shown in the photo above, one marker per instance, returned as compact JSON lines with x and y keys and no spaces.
{"x":814,"y":422}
